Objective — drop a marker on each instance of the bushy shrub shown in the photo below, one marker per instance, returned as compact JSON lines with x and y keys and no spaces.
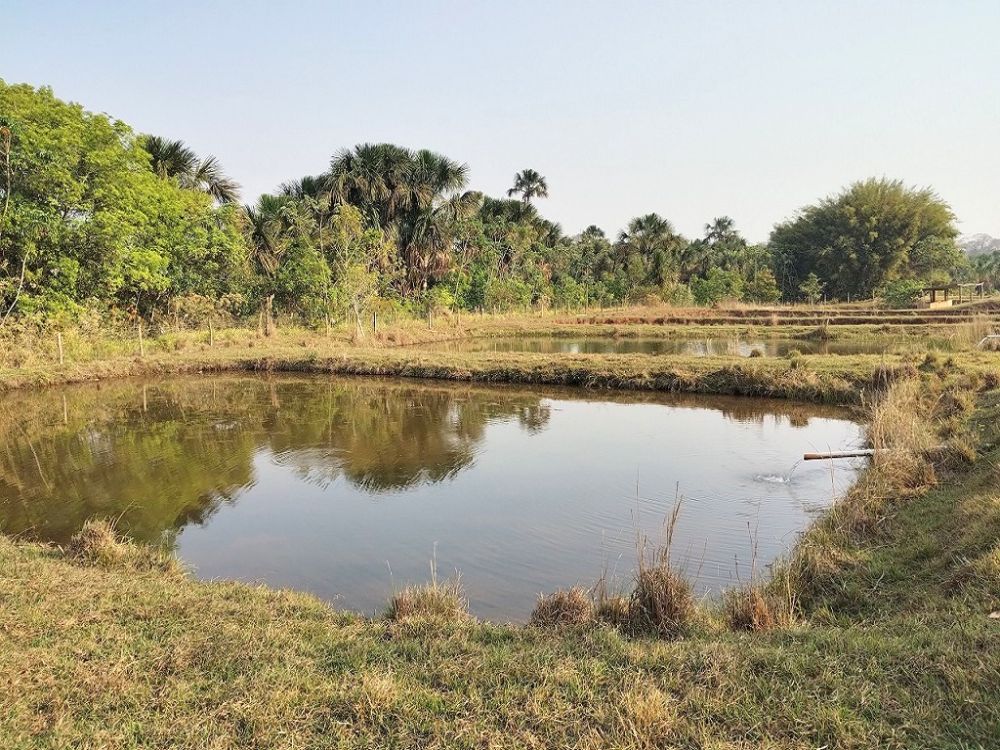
{"x":718,"y":285}
{"x":563,"y":608}
{"x":762,"y":287}
{"x":902,"y":293}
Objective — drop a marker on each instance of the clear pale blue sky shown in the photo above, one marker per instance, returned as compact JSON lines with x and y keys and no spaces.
{"x":690,"y":109}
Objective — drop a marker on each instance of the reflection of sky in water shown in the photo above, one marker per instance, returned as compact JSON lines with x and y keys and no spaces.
{"x":346,"y":487}
{"x":530,"y":513}
{"x":771,"y":347}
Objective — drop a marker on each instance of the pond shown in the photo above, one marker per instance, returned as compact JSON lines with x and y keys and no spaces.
{"x":348,"y":488}
{"x":701,"y":347}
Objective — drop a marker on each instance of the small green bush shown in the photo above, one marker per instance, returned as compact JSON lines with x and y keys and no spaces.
{"x":902,"y":293}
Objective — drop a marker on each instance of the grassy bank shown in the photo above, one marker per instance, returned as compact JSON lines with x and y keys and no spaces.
{"x":876,"y":631}
{"x":831,"y":379}
{"x":891,"y":643}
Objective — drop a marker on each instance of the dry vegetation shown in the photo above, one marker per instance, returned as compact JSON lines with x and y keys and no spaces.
{"x":876,"y":632}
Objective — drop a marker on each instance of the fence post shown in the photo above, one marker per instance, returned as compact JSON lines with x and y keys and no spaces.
{"x":268,"y":322}
{"x":142,"y":348}
{"x":59,"y":344}
{"x":211,"y":333}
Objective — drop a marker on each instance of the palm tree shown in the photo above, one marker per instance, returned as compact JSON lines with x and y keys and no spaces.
{"x":412,"y":196}
{"x":529,"y":184}
{"x":174,"y":160}
{"x":265,"y":229}
{"x":209,"y":178}
{"x":314,"y":196}
{"x":169,"y":158}
{"x":722,"y":229}
{"x":652,"y":240}
{"x":431,"y":241}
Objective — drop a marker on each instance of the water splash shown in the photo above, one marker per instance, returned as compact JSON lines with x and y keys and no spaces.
{"x":773,"y":478}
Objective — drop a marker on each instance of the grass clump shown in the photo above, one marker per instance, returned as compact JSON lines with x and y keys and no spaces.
{"x":753,"y":609}
{"x":437,"y":601}
{"x":662,"y":602}
{"x":614,"y":611}
{"x":563,"y":608}
{"x":99,"y":544}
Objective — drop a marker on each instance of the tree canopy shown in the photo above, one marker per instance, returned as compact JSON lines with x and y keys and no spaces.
{"x":873,"y":232}
{"x":93,"y":214}
{"x":89,"y":219}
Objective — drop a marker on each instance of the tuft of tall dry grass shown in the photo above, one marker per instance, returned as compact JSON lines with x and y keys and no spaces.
{"x":754,"y":608}
{"x":757,"y":606}
{"x":438,"y":601}
{"x":662,"y":602}
{"x":563,"y":608}
{"x":434,"y":601}
{"x":99,"y":544}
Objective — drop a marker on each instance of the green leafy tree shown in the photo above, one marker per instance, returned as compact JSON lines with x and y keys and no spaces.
{"x":762,"y":287}
{"x":89,"y":222}
{"x":874,"y":231}
{"x":902,"y":293}
{"x":811,"y":290}
{"x":717,"y":286}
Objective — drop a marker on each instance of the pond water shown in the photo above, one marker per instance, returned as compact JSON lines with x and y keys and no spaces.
{"x":704,"y":347}
{"x":349,"y":487}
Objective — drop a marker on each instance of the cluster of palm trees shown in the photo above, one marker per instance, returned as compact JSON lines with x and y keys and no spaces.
{"x":415,"y":199}
{"x":986,"y":268}
{"x":416,"y":202}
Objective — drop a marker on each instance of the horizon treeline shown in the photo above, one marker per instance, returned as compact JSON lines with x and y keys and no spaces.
{"x":97,"y":218}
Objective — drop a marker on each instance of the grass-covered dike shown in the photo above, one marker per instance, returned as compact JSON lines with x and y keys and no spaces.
{"x":875,"y":632}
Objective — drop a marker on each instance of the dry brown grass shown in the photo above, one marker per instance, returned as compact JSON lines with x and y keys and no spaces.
{"x":753,"y":608}
{"x":98,"y":544}
{"x":439,"y":601}
{"x":662,"y":602}
{"x":563,"y":608}
{"x":614,"y":611}
{"x":918,"y":428}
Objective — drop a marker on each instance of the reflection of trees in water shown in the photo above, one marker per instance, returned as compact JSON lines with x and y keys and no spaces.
{"x":385,"y":437}
{"x":112,"y":459}
{"x":162,"y":457}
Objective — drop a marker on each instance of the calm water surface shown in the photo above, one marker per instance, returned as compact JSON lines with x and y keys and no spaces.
{"x":348,"y":488}
{"x":709,"y":347}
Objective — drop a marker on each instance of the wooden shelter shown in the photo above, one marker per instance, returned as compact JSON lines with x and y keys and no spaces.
{"x":946,"y":296}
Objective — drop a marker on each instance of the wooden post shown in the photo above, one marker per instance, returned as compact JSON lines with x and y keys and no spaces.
{"x":211,"y":333}
{"x":268,"y":324}
{"x":838,"y":454}
{"x":374,"y":322}
{"x":142,"y":348}
{"x":59,"y":345}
